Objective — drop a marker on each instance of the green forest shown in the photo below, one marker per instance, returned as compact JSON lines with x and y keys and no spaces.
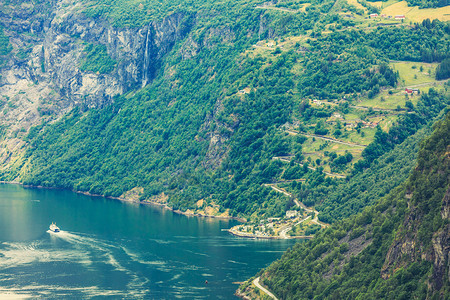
{"x":97,"y":59}
{"x":158,"y":138}
{"x":428,"y":3}
{"x":354,"y":257}
{"x":5,"y":46}
{"x":258,"y":108}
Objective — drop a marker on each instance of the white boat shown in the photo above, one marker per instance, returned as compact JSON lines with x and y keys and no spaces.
{"x":54,"y":228}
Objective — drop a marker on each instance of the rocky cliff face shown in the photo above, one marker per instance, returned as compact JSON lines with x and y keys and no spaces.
{"x":41,"y":78}
{"x":425,"y":232}
{"x":138,"y":51}
{"x":54,"y":40}
{"x":408,"y":247}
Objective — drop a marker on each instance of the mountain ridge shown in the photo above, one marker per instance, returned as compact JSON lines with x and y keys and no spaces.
{"x":209,"y":121}
{"x":397,"y":248}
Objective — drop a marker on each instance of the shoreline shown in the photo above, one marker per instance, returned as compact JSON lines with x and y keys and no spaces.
{"x":145,"y":202}
{"x":262,"y":237}
{"x":165,"y":206}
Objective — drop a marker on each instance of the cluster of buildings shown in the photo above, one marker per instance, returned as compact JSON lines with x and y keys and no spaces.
{"x":397,"y":17}
{"x":365,"y":124}
{"x":317,"y":102}
{"x":268,"y":228}
{"x":368,"y":124}
{"x":411,"y":91}
{"x":291,"y":214}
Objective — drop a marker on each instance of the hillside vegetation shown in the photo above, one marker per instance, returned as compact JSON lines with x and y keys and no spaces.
{"x":97,"y":59}
{"x":428,"y":3}
{"x":5,"y":47}
{"x":255,"y":94}
{"x":395,"y":249}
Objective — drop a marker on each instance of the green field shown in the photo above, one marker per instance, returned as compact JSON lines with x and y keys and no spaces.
{"x":415,"y":14}
{"x":386,"y":101}
{"x":414,"y":73}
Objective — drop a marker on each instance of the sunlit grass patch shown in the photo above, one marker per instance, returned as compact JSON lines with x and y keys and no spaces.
{"x":384,"y":100}
{"x":357,"y":5}
{"x":412,"y":73}
{"x":415,"y":14}
{"x":358,"y":138}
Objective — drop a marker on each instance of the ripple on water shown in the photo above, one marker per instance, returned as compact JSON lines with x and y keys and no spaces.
{"x":80,"y":250}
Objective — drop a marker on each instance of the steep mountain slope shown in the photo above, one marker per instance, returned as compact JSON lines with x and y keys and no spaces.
{"x":56,"y":58}
{"x":189,"y":103}
{"x":396,"y":249}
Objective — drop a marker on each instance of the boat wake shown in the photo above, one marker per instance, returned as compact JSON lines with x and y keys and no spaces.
{"x":66,"y":249}
{"x":20,"y":254}
{"x":106,"y":251}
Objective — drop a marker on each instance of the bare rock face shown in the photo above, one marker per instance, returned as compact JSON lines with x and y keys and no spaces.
{"x":189,"y":49}
{"x":41,"y":79}
{"x":60,"y":37}
{"x":440,"y":257}
{"x":138,"y":51}
{"x":407,"y":247}
{"x":425,"y":232}
{"x":441,"y":246}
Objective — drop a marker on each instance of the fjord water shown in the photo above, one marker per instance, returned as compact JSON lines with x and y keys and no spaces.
{"x":109,"y":248}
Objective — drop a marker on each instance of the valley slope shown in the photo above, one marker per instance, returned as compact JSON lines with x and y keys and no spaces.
{"x":205,"y":106}
{"x":395,"y":249}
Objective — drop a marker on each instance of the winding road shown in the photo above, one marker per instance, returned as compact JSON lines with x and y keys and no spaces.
{"x":286,"y":229}
{"x":288,"y":159}
{"x":402,"y":110}
{"x":266,"y":291}
{"x":277,"y":8}
{"x":294,"y":132}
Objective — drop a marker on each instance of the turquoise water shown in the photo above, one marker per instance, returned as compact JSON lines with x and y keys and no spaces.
{"x":108,"y":248}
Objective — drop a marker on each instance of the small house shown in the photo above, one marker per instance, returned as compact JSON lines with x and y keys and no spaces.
{"x":408,"y":91}
{"x":373,"y":16}
{"x":318,"y":102}
{"x":272,"y":219}
{"x":291,"y":214}
{"x":399,"y":17}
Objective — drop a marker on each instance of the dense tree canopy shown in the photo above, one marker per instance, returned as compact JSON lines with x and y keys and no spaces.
{"x":209,"y":126}
{"x":348,"y":259}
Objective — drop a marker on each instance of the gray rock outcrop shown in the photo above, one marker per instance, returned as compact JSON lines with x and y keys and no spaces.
{"x":41,"y":78}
